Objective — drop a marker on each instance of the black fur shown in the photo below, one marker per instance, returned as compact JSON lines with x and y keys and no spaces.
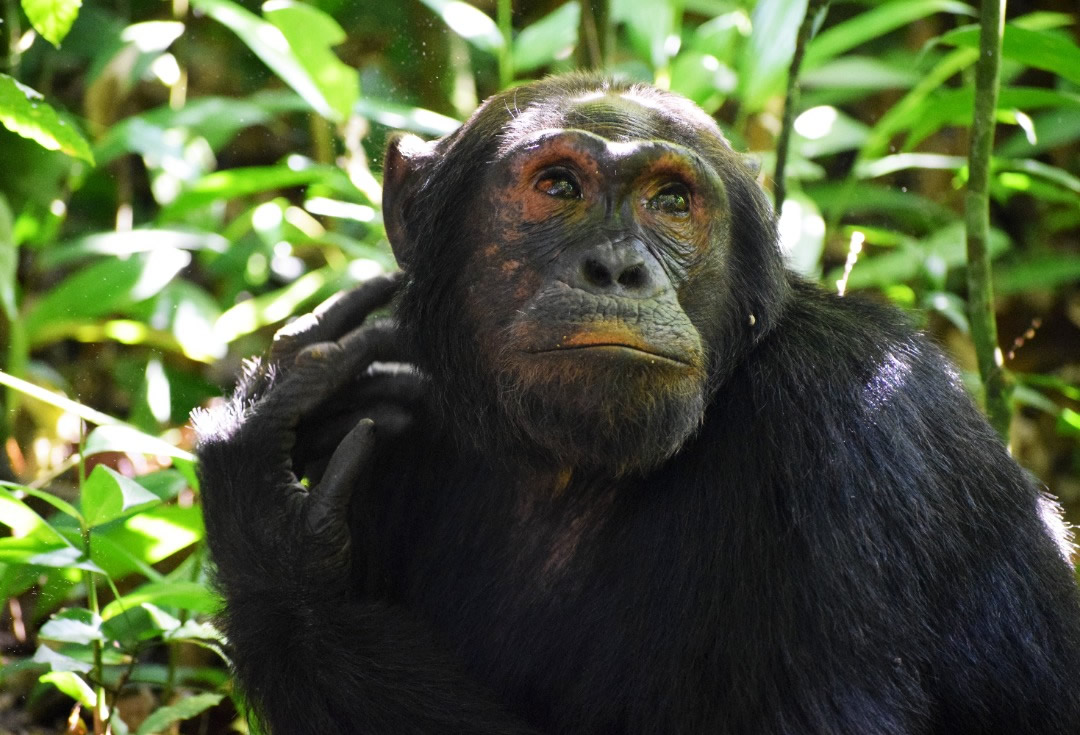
{"x":843,"y":546}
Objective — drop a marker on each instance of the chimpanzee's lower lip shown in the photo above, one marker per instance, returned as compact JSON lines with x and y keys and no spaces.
{"x":615,"y":347}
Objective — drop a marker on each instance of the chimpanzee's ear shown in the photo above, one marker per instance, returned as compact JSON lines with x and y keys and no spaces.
{"x":752,"y":163}
{"x":404,"y":167}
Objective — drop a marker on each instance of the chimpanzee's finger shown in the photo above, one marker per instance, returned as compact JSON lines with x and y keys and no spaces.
{"x":314,"y":449}
{"x":323,"y":368}
{"x":349,"y":467}
{"x":334,"y":317}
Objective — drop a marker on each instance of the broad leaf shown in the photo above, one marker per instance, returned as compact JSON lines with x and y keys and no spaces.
{"x":184,"y":595}
{"x":102,"y":288}
{"x":74,"y":625}
{"x":270,"y":45}
{"x":549,"y":39}
{"x":52,"y":18}
{"x":469,"y":22}
{"x":108,"y":495}
{"x":311,"y":33}
{"x":23,"y":113}
{"x":161,"y":719}
{"x":72,"y":685}
{"x":1049,"y":51}
{"x":878,"y":21}
{"x":764,"y":61}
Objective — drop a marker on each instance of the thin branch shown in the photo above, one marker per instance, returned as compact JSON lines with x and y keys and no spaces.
{"x":977,"y":217}
{"x":791,"y":99}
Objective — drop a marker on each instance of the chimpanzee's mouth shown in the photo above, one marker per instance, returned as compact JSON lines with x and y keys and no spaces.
{"x":616,"y":349}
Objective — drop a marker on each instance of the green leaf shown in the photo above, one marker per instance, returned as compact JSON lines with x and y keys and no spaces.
{"x":1037,"y":273}
{"x":236,"y":182}
{"x":124,"y":438}
{"x":61,"y":505}
{"x":1049,"y":51}
{"x":470,"y":23}
{"x":270,"y":45}
{"x":764,"y":61}
{"x":52,"y":18}
{"x":75,"y":625}
{"x":17,"y":515}
{"x":59,"y":662}
{"x":860,"y":73}
{"x":124,"y":244}
{"x":552,"y":38}
{"x":102,"y":288}
{"x":311,"y":33}
{"x":9,"y":258}
{"x":649,"y":26}
{"x":160,"y":719}
{"x":403,"y":117}
{"x":108,"y":495}
{"x":878,"y":21}
{"x":190,"y":596}
{"x":23,"y":113}
{"x":1068,"y":423}
{"x":72,"y":685}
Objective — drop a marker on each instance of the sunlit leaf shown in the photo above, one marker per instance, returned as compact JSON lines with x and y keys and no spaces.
{"x":124,"y":438}
{"x":403,"y":117}
{"x":765,"y":58}
{"x":270,"y":45}
{"x":651,"y":28}
{"x":1050,"y":51}
{"x":275,"y":306}
{"x":875,"y":22}
{"x":71,"y":684}
{"x":74,"y":625}
{"x":223,"y":185}
{"x":23,"y":112}
{"x":123,"y":244}
{"x":105,"y":287}
{"x":108,"y":495}
{"x":52,"y":18}
{"x":551,"y":38}
{"x":468,"y":22}
{"x":189,"y":596}
{"x":860,"y":73}
{"x":311,"y":33}
{"x":61,"y":505}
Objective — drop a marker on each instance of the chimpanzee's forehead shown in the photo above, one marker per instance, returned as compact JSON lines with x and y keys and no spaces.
{"x":618,"y":115}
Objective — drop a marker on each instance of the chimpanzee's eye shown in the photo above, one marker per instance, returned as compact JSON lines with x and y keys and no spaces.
{"x":672,"y":199}
{"x":560,"y":184}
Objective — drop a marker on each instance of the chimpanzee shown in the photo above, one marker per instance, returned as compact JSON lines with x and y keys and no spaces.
{"x":638,"y":478}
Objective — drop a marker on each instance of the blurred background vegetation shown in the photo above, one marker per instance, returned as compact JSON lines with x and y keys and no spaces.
{"x":178,"y":180}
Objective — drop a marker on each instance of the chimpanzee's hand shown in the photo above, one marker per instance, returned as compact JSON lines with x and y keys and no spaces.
{"x":258,"y":512}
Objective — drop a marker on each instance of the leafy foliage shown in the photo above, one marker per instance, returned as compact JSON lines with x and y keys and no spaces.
{"x":193,"y":178}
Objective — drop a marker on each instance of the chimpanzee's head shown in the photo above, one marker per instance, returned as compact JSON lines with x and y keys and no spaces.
{"x":587,"y":260}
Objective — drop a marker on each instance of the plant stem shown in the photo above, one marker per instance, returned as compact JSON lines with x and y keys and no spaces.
{"x":595,"y":34}
{"x":506,"y":56}
{"x":791,"y":99}
{"x":14,"y":32}
{"x":977,"y":217}
{"x":91,"y":597}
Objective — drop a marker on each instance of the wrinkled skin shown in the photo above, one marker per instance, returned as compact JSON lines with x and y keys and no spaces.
{"x":637,"y":479}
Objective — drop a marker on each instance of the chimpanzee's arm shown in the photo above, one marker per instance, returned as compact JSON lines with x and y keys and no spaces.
{"x":312,"y":654}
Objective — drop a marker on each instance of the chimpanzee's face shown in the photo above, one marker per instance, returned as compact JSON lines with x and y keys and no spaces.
{"x":589,"y":253}
{"x":571,"y":266}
